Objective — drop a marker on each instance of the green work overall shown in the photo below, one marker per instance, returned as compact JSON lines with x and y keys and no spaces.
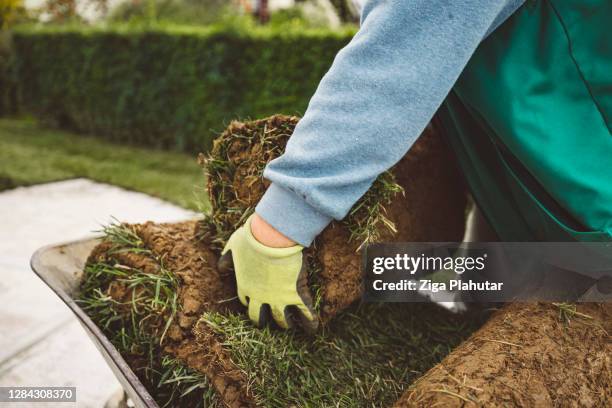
{"x":529,"y":120}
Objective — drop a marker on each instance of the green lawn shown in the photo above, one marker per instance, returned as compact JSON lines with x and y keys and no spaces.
{"x":30,"y":154}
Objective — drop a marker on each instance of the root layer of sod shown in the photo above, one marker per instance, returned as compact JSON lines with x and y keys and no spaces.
{"x":526,"y":355}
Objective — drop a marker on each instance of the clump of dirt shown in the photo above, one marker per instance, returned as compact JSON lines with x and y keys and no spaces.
{"x":526,"y":355}
{"x":422,"y":198}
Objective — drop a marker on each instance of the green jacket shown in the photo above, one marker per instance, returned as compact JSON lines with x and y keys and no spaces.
{"x":529,"y":119}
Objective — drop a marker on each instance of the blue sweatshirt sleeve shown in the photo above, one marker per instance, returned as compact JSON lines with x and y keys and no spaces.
{"x":378,"y":96}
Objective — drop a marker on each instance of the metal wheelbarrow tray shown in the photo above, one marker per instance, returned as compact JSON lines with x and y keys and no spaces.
{"x":61,"y":268}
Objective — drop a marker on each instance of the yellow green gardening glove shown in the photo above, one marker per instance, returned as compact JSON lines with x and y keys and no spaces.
{"x":269,"y":280}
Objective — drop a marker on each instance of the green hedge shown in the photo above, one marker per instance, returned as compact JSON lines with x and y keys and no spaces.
{"x":167,"y":87}
{"x":6,"y":86}
{"x":7,"y":79}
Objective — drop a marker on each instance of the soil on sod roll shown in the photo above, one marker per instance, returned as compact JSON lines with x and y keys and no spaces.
{"x":526,"y":355}
{"x":422,"y":198}
{"x":146,"y":285}
{"x":156,"y":292}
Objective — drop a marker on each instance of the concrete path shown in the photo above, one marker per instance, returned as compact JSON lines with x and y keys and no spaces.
{"x":41,"y":343}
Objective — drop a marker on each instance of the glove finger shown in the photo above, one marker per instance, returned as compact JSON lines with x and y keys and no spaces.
{"x":255,"y":311}
{"x":265,"y":315}
{"x":305,"y":318}
{"x":242,"y":297}
{"x":306,"y":312}
{"x":225,"y":264}
{"x":279,"y":316}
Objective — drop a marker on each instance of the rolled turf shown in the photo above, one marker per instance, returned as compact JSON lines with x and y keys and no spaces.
{"x":526,"y":355}
{"x":155,"y":291}
{"x":422,"y":198}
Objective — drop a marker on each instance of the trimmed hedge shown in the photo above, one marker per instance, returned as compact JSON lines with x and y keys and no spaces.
{"x":7,"y":79}
{"x":6,"y":86}
{"x":167,"y":87}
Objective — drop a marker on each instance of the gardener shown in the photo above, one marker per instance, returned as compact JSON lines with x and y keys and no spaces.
{"x":526,"y":110}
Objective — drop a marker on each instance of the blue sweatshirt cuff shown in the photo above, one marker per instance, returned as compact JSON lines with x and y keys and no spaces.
{"x":291,"y":215}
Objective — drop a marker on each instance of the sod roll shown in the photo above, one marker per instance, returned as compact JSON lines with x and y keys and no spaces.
{"x":156,"y":292}
{"x":422,"y":198}
{"x":526,"y":355}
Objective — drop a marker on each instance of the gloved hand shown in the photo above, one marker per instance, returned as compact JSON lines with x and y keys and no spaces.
{"x":269,"y":280}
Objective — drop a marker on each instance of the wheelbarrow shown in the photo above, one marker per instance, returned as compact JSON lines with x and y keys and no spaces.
{"x":61,"y":268}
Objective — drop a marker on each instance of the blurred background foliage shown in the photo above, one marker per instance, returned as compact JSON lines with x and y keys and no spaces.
{"x":10,"y":10}
{"x":191,"y":12}
{"x":330,"y":13}
{"x":165,"y":73}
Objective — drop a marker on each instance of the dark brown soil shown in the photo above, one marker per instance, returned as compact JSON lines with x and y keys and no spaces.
{"x":431,"y":210}
{"x":202,"y":288}
{"x":525,"y":356}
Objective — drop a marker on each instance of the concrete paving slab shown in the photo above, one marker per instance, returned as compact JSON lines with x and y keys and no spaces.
{"x":32,"y":317}
{"x":66,"y":358}
{"x":29,"y":312}
{"x":43,"y":214}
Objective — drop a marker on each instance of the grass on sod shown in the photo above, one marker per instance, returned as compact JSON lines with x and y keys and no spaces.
{"x":366,"y":358}
{"x":30,"y":154}
{"x":137,"y":326}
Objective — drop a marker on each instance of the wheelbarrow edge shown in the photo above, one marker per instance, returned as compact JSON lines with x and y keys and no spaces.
{"x":130,"y":382}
